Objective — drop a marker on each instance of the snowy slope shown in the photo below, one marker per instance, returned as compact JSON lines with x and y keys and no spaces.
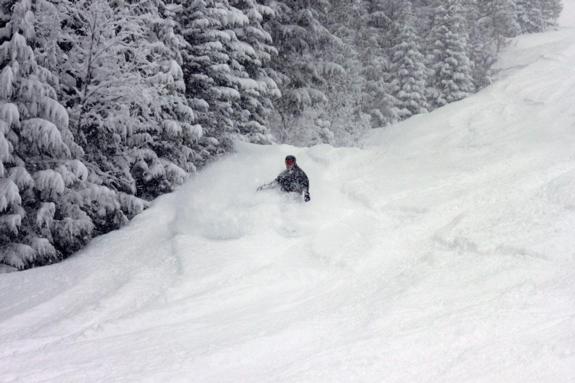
{"x":443,"y":251}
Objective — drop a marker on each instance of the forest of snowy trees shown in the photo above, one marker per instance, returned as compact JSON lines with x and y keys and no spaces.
{"x":106,"y":104}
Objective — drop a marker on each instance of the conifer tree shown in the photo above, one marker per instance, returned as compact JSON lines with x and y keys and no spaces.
{"x":408,"y":67}
{"x":374,"y":46}
{"x":499,"y":21}
{"x":481,"y":51}
{"x":256,"y":79}
{"x":451,"y":78}
{"x":342,"y":118}
{"x":302,"y":41}
{"x":106,"y":93}
{"x":529,"y":16}
{"x":550,"y":12}
{"x":171,"y":151}
{"x":212,"y":74}
{"x":103,"y":89}
{"x":41,"y":220}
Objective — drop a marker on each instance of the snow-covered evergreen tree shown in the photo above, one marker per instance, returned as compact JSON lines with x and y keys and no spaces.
{"x":408,"y":66}
{"x":112,"y":92}
{"x":302,"y":40}
{"x":103,"y":87}
{"x":211,"y":80}
{"x":338,"y":118}
{"x":498,"y":20}
{"x":252,"y":53}
{"x":529,"y":16}
{"x":374,"y":44}
{"x":482,"y":53}
{"x":39,"y":219}
{"x":342,"y":118}
{"x":168,"y":150}
{"x":451,"y":76}
{"x":550,"y":12}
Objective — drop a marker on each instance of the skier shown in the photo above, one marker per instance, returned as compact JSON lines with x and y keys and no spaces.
{"x":291,"y":180}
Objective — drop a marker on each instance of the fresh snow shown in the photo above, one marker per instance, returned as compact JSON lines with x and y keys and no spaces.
{"x":442,"y":251}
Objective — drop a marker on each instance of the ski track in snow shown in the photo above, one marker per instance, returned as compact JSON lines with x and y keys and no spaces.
{"x":443,"y":251}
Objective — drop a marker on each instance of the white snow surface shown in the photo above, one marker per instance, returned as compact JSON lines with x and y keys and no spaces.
{"x":442,"y":251}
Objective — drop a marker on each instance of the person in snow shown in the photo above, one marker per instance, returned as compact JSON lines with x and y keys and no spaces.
{"x":291,"y":180}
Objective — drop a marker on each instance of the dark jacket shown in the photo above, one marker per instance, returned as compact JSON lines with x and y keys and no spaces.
{"x":292,"y":180}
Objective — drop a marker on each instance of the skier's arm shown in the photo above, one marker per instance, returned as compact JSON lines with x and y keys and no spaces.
{"x":267,"y":186}
{"x":274,"y":184}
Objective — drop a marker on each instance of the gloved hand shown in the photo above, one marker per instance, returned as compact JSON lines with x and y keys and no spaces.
{"x":263,"y":187}
{"x":306,"y":197}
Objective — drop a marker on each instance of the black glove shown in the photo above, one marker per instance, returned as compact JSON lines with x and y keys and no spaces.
{"x":306,"y":197}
